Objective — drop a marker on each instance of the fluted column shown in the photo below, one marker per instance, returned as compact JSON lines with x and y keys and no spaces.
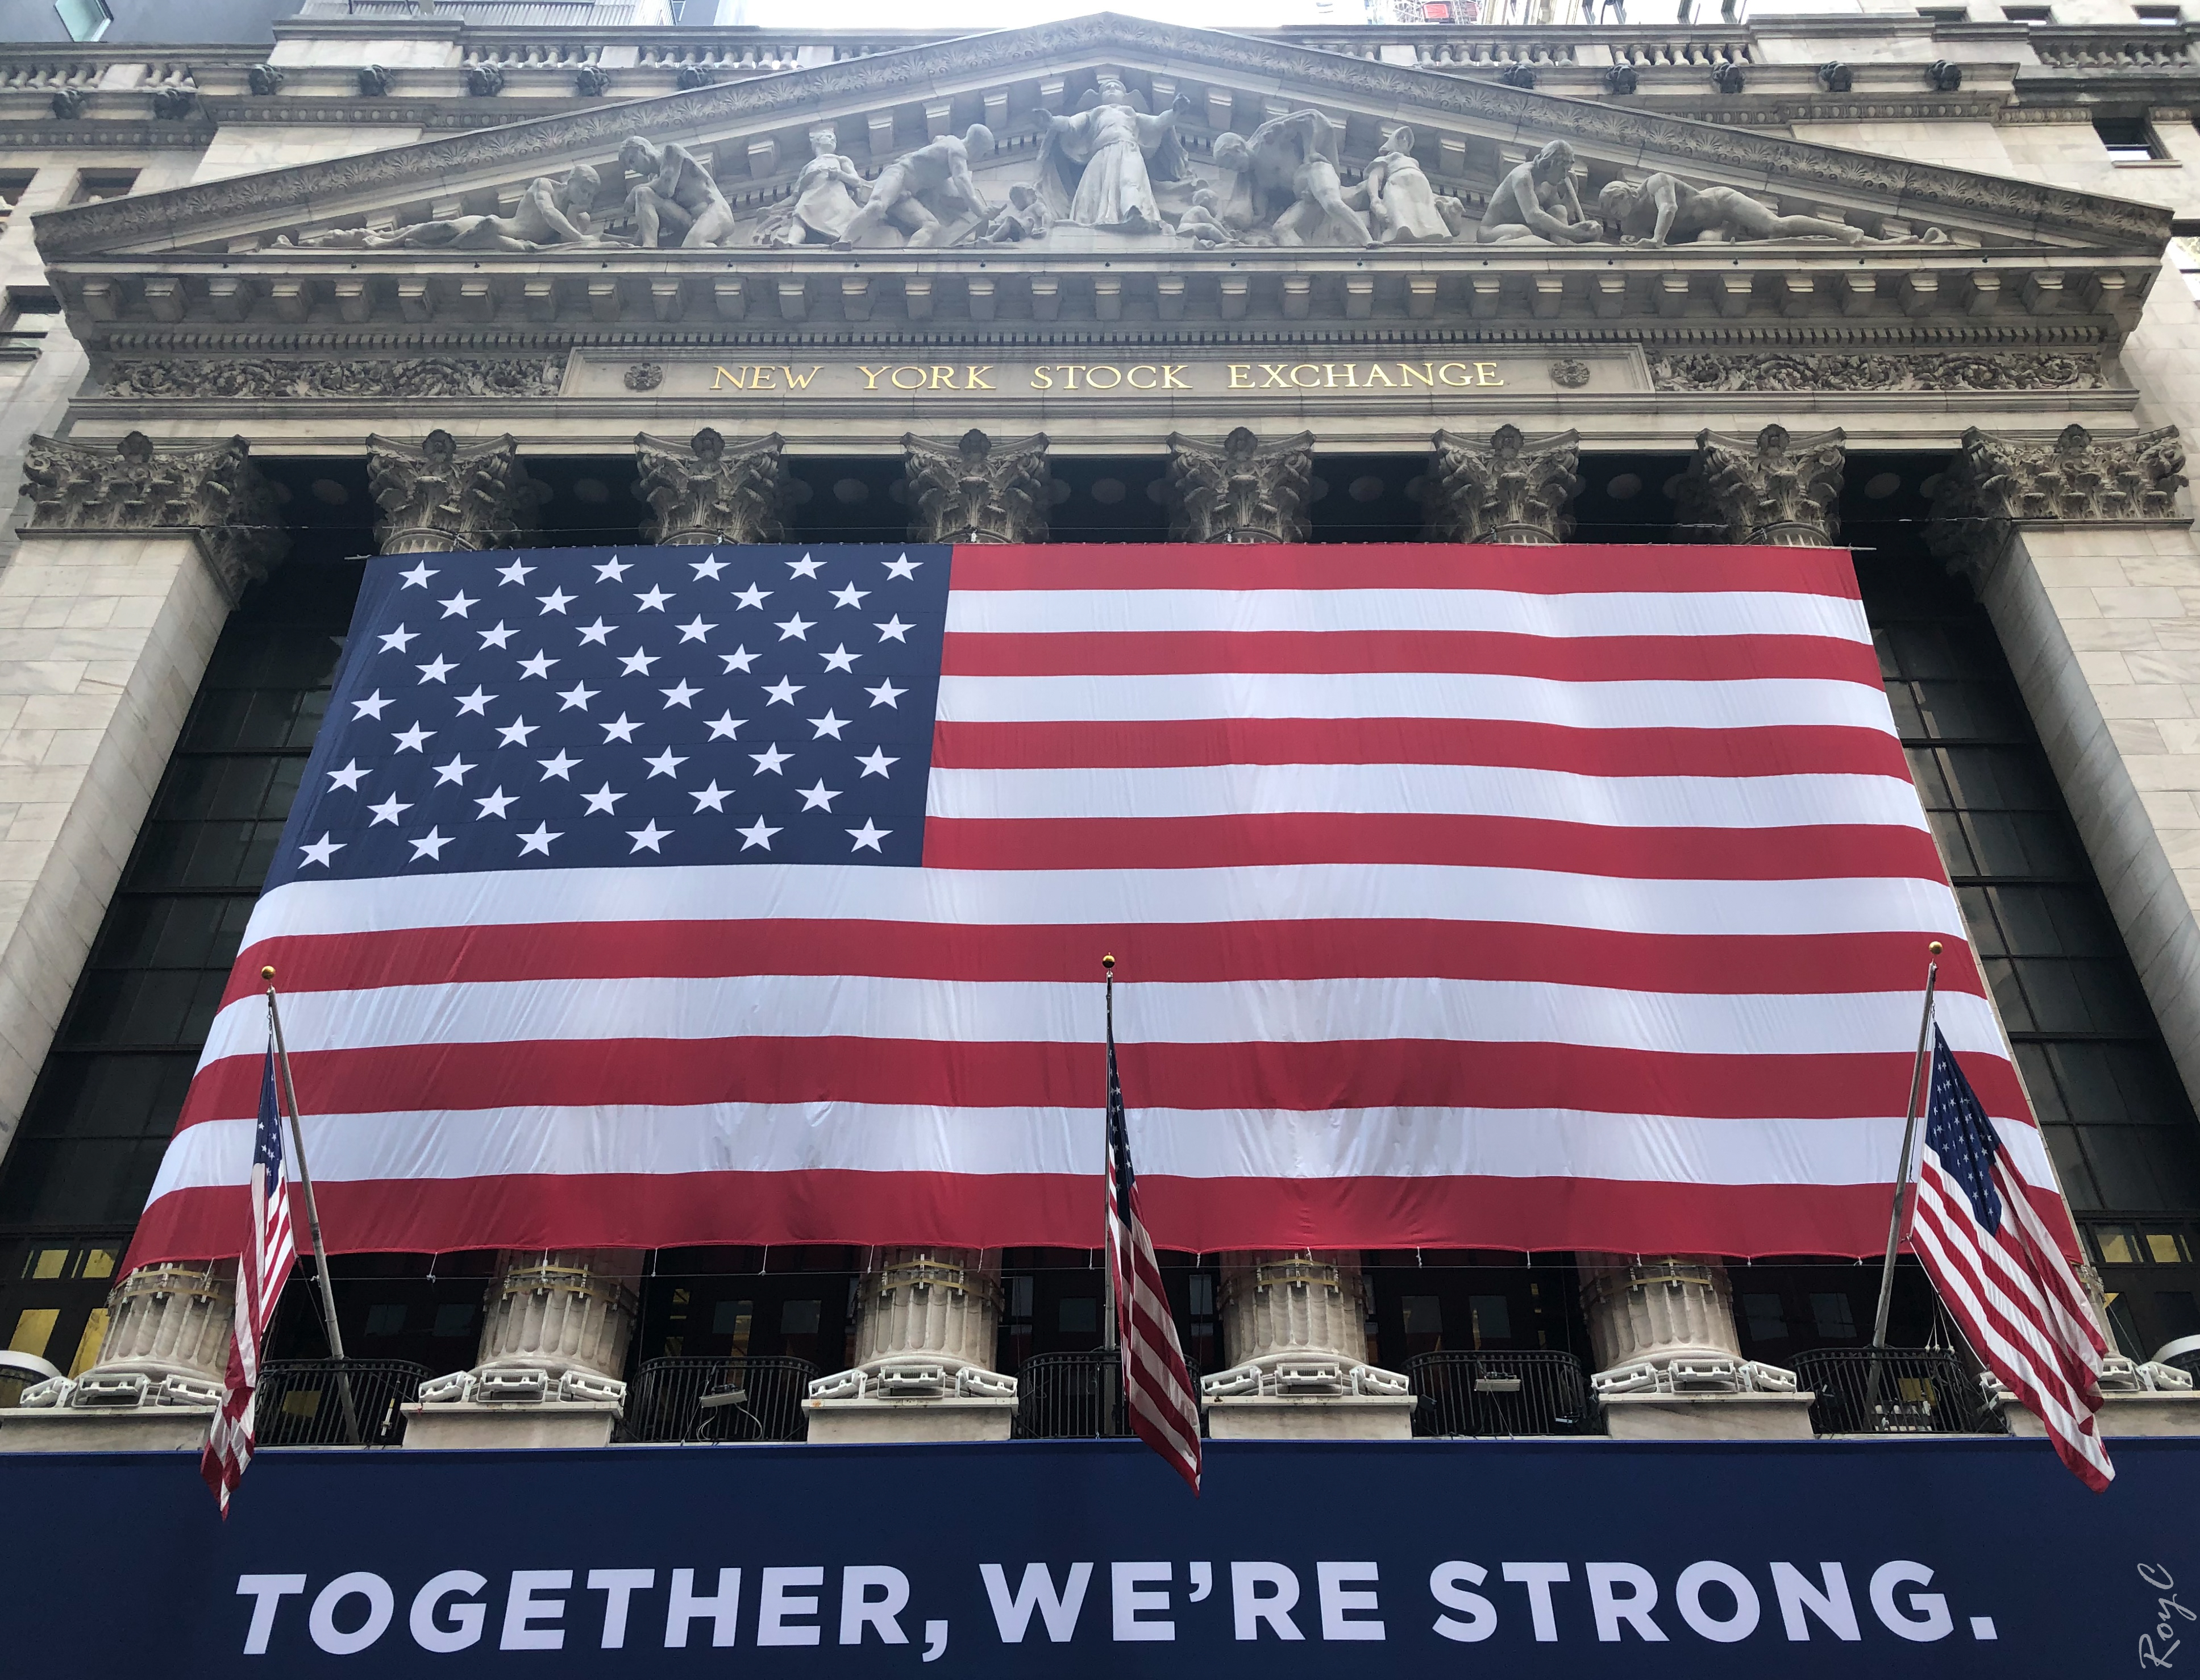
{"x":974,"y":490}
{"x":704,"y":492}
{"x":167,"y":1342}
{"x":1240,"y":490}
{"x":927,"y":1321}
{"x":1514,"y":488}
{"x":440,"y":496}
{"x":1295,"y":1329}
{"x":1774,"y":490}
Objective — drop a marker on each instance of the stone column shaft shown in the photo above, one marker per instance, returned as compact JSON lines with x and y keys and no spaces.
{"x":927,"y":1321}
{"x":1294,"y":1324}
{"x":1240,"y":490}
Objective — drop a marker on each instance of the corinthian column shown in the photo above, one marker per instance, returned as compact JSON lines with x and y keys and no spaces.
{"x":1240,"y":490}
{"x":973,"y":490}
{"x":1776,"y":490}
{"x":1295,"y":1328}
{"x":926,"y":1324}
{"x":1514,"y":488}
{"x":703,"y":492}
{"x":439,"y":496}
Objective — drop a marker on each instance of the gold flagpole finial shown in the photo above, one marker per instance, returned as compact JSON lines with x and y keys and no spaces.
{"x":1109,"y":963}
{"x":1932,"y":950}
{"x":268,"y":973}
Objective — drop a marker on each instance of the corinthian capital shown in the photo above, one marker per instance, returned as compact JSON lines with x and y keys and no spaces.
{"x":439,"y":494}
{"x":1242,"y":490}
{"x":1998,"y":483}
{"x":1512,"y":489}
{"x":702,"y":492}
{"x":975,"y":491}
{"x":1774,"y":490}
{"x":136,"y":486}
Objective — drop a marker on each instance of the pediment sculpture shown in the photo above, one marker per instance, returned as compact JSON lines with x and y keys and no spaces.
{"x":1098,"y":169}
{"x":551,"y":212}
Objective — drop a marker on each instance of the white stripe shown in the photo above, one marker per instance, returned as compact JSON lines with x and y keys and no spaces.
{"x":1453,"y":790}
{"x":1742,"y":704}
{"x":1613,"y":613}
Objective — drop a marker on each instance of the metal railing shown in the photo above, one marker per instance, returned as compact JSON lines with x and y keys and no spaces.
{"x":1895,"y":1391}
{"x":1077,"y":1396}
{"x":1501,"y":1393}
{"x":741,"y":1398}
{"x":300,"y":1402}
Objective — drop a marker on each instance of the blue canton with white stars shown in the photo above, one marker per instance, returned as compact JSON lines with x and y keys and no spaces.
{"x":1959,"y":1131}
{"x":578,"y":708}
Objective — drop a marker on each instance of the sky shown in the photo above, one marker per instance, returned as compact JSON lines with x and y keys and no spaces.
{"x":977,"y":14}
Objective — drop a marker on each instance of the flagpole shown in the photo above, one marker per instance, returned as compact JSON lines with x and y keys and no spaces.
{"x":313,"y":1209}
{"x":1894,"y":1221}
{"x":1108,"y":1146}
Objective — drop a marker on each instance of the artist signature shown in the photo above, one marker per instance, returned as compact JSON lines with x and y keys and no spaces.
{"x":2155,"y":1649}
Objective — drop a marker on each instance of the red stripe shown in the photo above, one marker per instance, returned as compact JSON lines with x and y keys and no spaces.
{"x":1177,"y":953}
{"x":1298,"y":1076}
{"x":1571,"y":569}
{"x":1606,"y":658}
{"x":1240,"y":840}
{"x":1781,"y":750}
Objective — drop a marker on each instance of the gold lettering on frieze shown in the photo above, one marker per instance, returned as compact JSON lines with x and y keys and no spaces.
{"x":1102,"y":379}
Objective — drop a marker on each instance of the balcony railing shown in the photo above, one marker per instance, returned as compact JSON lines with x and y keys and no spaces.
{"x":1499,"y":1393}
{"x":718,"y":1400}
{"x":302,"y":1403}
{"x":1076,"y":1396}
{"x":1895,"y":1391}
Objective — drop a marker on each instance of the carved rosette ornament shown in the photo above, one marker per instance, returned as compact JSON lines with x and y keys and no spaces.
{"x":704,"y":492}
{"x":439,"y":494}
{"x":1514,"y":488}
{"x":1773,"y":489}
{"x":973,"y":490}
{"x":135,"y":486}
{"x":1999,"y":484}
{"x":1241,"y":491}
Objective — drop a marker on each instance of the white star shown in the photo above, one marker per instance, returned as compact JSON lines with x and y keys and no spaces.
{"x":783,"y":692}
{"x":654,"y":601}
{"x":347,"y":777}
{"x":648,"y":835}
{"x":695,"y":629}
{"x":819,"y":797}
{"x":637,"y":663}
{"x":399,"y":640}
{"x":613,"y":570}
{"x":435,"y":670}
{"x":516,"y":732}
{"x":602,"y":800}
{"x":894,"y":630}
{"x":459,"y":605}
{"x":679,"y":695}
{"x":538,"y":666}
{"x":841,"y":659}
{"x":798,"y":629}
{"x":321,"y":850}
{"x":756,"y":835}
{"x":539,"y":841}
{"x":429,"y":845}
{"x":559,"y":766}
{"x":904,"y":567}
{"x":709,"y":568}
{"x":769,"y":759}
{"x":556,"y":601}
{"x":712,"y":798}
{"x":827,"y":725}
{"x":726,"y":727}
{"x":388,"y":810}
{"x":597,"y":632}
{"x":474,"y":702}
{"x":417,"y":577}
{"x":664,"y":763}
{"x":621,"y":730}
{"x":870,"y":836}
{"x":414,"y":739}
{"x":805,"y":567}
{"x":752,"y":596}
{"x":740,"y":660}
{"x":876,"y":764}
{"x":371,"y":706}
{"x":496,"y":804}
{"x":577,"y":696}
{"x":455,"y":771}
{"x":515,"y":573}
{"x":497,"y":638}
{"x":886,"y":694}
{"x":850,"y":596}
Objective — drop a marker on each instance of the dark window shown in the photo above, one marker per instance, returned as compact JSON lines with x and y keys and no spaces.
{"x":2128,"y":139}
{"x":95,"y":186}
{"x":2028,"y":14}
{"x":84,"y":20}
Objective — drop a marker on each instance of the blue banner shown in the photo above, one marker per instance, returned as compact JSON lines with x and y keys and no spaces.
{"x":1934,"y":1556}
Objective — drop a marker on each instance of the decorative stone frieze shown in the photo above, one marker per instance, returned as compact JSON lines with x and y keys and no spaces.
{"x":374,"y":82}
{"x":1514,"y":488}
{"x":175,"y":104}
{"x":441,"y":495}
{"x":1666,"y":1326}
{"x":266,"y":79}
{"x":518,"y":377}
{"x":136,"y":486}
{"x":1295,"y":1327}
{"x":1999,"y":484}
{"x":68,"y":104}
{"x":1771,"y":490}
{"x":703,"y":492}
{"x":592,"y":81}
{"x":484,"y":81}
{"x":1708,"y":371}
{"x":166,"y":1342}
{"x":974,"y":490}
{"x":1242,"y":490}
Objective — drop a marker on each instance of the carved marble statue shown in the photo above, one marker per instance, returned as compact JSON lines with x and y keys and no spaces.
{"x":927,"y":194}
{"x":549,"y":213}
{"x":1287,"y":182}
{"x":971,"y":491}
{"x":1246,"y":491}
{"x":1203,"y":223}
{"x":707,"y":493}
{"x":827,"y":193}
{"x":1097,"y":168}
{"x":1024,"y":217}
{"x":1536,"y":203}
{"x":674,"y":192}
{"x":1401,"y":206}
{"x":1665,"y":210}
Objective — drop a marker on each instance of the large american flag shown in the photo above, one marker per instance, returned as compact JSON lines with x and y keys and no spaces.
{"x":2003,"y":1275}
{"x":1533,"y":897}
{"x":270,"y":1250}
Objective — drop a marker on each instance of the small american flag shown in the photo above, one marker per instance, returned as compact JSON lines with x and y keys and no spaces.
{"x":2002,"y":1275}
{"x":1157,"y":1391}
{"x":261,"y":1274}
